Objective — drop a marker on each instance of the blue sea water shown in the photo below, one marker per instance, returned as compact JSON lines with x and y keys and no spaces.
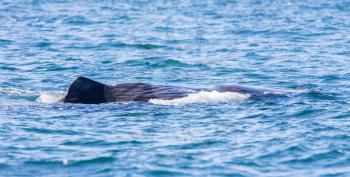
{"x":300,"y":45}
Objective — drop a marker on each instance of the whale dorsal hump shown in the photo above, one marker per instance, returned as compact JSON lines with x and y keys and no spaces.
{"x":85,"y":90}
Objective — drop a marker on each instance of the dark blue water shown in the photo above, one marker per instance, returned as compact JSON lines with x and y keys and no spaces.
{"x":296,"y":45}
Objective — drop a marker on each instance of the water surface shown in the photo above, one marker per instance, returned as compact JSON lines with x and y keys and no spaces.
{"x":297,"y":45}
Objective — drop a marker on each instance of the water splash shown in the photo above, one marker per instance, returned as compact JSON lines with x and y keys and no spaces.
{"x":204,"y":97}
{"x":50,"y":98}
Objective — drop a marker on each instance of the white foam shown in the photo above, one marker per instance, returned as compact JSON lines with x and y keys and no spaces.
{"x":65,"y":162}
{"x":203,"y":97}
{"x":14,"y":91}
{"x":50,"y":98}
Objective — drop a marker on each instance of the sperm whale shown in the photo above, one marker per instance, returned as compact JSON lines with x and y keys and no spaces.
{"x":87,"y":91}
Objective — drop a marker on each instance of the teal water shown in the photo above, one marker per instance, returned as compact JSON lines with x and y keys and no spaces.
{"x":295,"y":45}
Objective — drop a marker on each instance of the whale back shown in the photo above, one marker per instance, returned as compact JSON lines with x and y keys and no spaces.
{"x":84,"y":90}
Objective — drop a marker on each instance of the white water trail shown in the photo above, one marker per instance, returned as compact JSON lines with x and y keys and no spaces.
{"x":203,"y":97}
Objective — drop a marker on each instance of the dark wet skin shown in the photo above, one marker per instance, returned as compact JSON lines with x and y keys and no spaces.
{"x":87,"y":91}
{"x":145,"y":92}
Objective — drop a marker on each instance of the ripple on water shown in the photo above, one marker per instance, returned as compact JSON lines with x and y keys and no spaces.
{"x":5,"y":42}
{"x":137,"y":46}
{"x":162,"y":63}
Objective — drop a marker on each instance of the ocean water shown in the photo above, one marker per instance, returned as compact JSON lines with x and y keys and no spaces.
{"x":299,"y":45}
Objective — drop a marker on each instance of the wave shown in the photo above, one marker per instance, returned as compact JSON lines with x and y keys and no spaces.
{"x":72,"y":162}
{"x":203,"y":97}
{"x":136,"y":45}
{"x":50,"y":98}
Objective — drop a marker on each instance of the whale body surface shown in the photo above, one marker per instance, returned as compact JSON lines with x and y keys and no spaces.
{"x":87,"y":91}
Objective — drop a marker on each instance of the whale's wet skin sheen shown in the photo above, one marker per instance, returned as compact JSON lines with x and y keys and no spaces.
{"x":299,"y":47}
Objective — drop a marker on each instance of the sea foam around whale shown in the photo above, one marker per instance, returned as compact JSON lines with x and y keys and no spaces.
{"x":203,"y":97}
{"x":49,"y":98}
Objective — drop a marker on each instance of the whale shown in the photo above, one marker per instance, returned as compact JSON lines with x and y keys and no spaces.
{"x":87,"y":91}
